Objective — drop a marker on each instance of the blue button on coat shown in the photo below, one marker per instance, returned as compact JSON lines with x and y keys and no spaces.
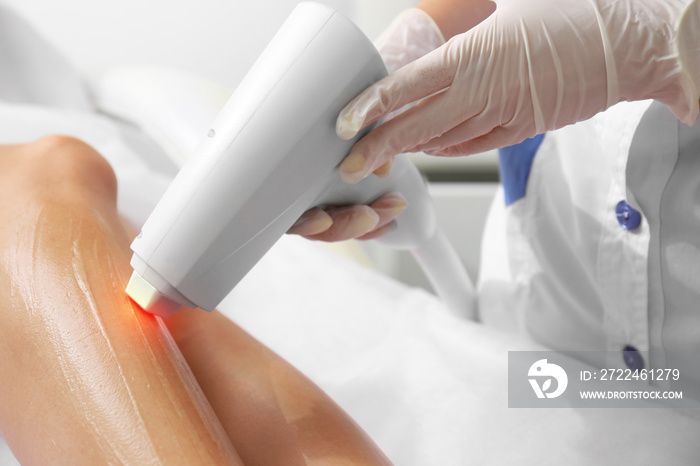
{"x":632,"y":358}
{"x":627,"y":216}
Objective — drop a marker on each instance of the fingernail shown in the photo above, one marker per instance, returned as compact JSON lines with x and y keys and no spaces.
{"x":312,"y":222}
{"x":385,"y":169}
{"x":347,"y":125}
{"x":365,"y":222}
{"x":393,"y":203}
{"x":351,"y":169}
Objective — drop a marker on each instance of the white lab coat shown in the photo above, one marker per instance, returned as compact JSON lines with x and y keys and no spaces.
{"x":559,"y":266}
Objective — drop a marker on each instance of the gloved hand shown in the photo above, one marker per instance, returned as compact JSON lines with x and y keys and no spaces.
{"x":530,"y":67}
{"x":410,"y":36}
{"x":350,"y":222}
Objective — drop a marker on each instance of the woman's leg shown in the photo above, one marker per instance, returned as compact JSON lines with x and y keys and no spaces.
{"x":272,"y":413}
{"x":85,"y":376}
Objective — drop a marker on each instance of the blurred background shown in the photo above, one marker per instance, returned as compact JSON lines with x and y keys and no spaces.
{"x":219,"y":39}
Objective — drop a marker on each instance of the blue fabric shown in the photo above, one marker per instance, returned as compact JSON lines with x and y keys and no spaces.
{"x":515,"y":163}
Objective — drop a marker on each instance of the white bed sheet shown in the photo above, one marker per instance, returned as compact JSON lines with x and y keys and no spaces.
{"x":431,"y":389}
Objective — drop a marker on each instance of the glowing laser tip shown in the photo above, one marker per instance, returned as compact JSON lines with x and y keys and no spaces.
{"x":149,"y":298}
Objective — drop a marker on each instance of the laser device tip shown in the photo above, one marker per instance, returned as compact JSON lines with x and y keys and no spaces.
{"x":149,"y":298}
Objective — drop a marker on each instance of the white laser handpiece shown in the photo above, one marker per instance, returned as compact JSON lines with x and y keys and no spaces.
{"x":271,"y":154}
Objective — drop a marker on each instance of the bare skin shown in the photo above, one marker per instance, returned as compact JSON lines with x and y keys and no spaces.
{"x":271,"y":412}
{"x":86,"y":377}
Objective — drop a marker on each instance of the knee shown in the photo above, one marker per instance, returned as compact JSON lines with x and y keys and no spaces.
{"x":63,"y":165}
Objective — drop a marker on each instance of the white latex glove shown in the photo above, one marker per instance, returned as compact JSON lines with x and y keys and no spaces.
{"x":350,"y":222}
{"x":410,"y":36}
{"x":532,"y":66}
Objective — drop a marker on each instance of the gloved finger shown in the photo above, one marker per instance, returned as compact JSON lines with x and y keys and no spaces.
{"x":348,"y":222}
{"x":312,"y":222}
{"x":377,"y":232}
{"x":388,"y":207}
{"x":459,"y":136}
{"x":500,"y":137}
{"x":423,"y":122}
{"x":421,"y":78}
